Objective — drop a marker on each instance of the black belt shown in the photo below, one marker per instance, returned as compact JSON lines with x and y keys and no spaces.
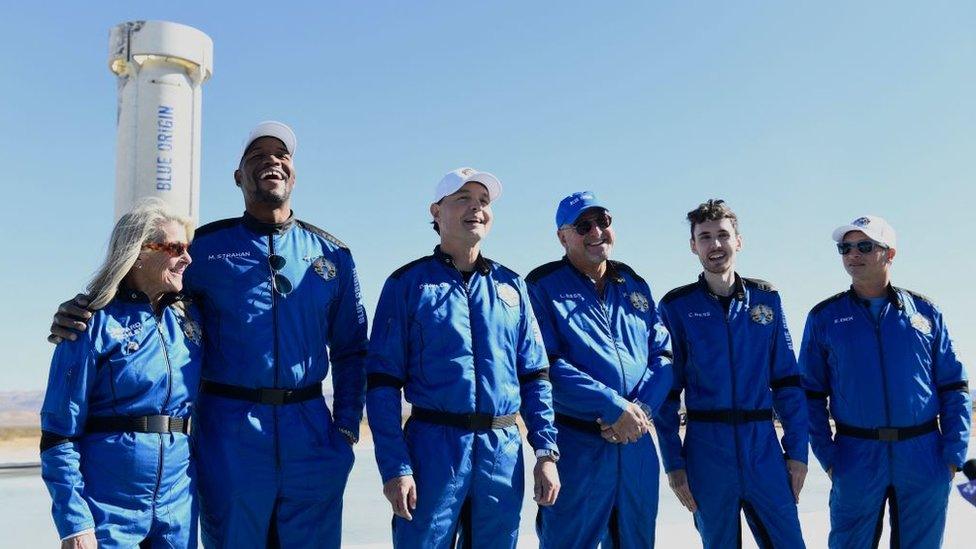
{"x":579,"y":424}
{"x":887,"y":434}
{"x":262,"y":396}
{"x":732,"y":417}
{"x":144,"y":424}
{"x":471,"y":422}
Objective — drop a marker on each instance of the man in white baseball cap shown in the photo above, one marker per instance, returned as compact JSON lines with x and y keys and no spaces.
{"x":266,"y":174}
{"x":878,"y":359}
{"x":874,"y":227}
{"x":464,"y":182}
{"x":454,"y":333}
{"x":273,"y":458}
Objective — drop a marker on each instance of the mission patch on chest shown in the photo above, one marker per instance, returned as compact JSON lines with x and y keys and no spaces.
{"x":761,"y":314}
{"x":921,"y":323}
{"x":639,"y":301}
{"x":324,"y":268}
{"x":508,"y":294}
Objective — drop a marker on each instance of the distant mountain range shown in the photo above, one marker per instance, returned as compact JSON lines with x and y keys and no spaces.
{"x":20,"y":408}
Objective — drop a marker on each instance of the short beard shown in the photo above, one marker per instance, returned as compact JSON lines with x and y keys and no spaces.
{"x":270,"y":197}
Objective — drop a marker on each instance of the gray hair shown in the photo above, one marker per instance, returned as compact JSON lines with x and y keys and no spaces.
{"x":141,"y":225}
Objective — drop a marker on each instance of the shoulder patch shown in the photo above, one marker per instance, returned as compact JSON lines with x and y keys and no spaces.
{"x":680,"y":291}
{"x":543,"y":271}
{"x":623,"y":267}
{"x":215,"y":226}
{"x":918,"y":296}
{"x":399,"y":272}
{"x":820,"y":306}
{"x":324,"y":234}
{"x":759,"y":283}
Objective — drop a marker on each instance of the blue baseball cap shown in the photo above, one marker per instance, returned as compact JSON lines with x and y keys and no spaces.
{"x":573,"y":205}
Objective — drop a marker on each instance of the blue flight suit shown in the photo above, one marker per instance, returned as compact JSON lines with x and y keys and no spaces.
{"x":272,"y":468}
{"x":735,"y":367}
{"x":129,"y":486}
{"x":900,"y":401}
{"x":459,"y":350}
{"x":605,"y":351}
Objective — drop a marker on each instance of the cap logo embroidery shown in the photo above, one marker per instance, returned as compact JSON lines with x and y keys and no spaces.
{"x":861,"y":222}
{"x":761,"y":314}
{"x":466,"y":172}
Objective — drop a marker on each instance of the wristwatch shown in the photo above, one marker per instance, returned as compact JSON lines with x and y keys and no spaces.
{"x":645,"y":408}
{"x":553,"y":455}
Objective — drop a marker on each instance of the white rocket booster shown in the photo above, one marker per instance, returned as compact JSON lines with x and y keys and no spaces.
{"x":161,"y":68}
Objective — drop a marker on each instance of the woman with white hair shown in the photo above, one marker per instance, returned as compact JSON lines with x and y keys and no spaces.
{"x":115,"y":454}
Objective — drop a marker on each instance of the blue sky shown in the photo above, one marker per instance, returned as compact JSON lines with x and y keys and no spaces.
{"x":802,"y":115}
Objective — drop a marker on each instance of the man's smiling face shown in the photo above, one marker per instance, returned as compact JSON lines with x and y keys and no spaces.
{"x":595,"y":245}
{"x":266,"y":172}
{"x":464,"y":215}
{"x":716,"y":243}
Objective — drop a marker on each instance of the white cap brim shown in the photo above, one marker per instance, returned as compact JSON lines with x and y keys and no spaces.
{"x":448,"y":187}
{"x":490,"y":182}
{"x":839,"y":232}
{"x":272,"y":128}
{"x":877,"y":229}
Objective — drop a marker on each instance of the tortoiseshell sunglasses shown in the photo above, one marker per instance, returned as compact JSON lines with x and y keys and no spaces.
{"x":173,"y":249}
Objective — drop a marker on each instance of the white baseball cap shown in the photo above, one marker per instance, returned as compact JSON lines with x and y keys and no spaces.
{"x":875,"y":227}
{"x":272,"y":128}
{"x":456,"y":179}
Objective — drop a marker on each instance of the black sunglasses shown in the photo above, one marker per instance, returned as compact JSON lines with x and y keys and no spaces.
{"x":586,"y":225}
{"x":864,"y":246}
{"x":279,"y":282}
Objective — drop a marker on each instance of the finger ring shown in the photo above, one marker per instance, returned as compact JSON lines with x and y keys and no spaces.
{"x":614,"y":437}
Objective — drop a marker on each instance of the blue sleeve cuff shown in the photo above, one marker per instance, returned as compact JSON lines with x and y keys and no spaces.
{"x":673,"y":464}
{"x":616,"y":408}
{"x":403,"y":471}
{"x":68,"y":528}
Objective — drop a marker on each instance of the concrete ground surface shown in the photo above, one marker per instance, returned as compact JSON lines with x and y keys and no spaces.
{"x":26,"y":521}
